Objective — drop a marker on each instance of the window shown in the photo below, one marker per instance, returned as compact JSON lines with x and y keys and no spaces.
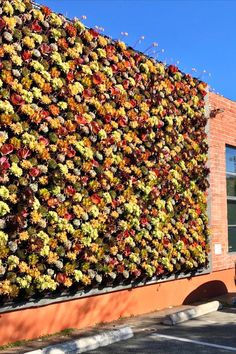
{"x":231,"y":196}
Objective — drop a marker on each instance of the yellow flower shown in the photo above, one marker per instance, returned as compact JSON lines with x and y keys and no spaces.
{"x":114,"y":214}
{"x":7,"y":8}
{"x":43,"y":180}
{"x":38,"y":14}
{"x":35,"y":217}
{"x":46,"y":100}
{"x":9,"y":49}
{"x":68,"y":282}
{"x":26,"y":164}
{"x":19,"y":5}
{"x":76,"y":88}
{"x":101,"y":53}
{"x":102,"y":41}
{"x":52,"y":257}
{"x":62,"y":236}
{"x":23,"y":267}
{"x":34,"y":272}
{"x":38,"y":79}
{"x":88,"y":36}
{"x":13,"y":198}
{"x":54,"y":123}
{"x":122,"y":45}
{"x":10,"y":21}
{"x":24,"y":236}
{"x":71,"y":256}
{"x":94,"y":56}
{"x":5,"y":287}
{"x":28,"y":110}
{"x":55,"y":20}
{"x":28,"y":42}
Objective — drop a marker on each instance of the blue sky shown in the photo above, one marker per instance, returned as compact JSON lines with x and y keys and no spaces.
{"x":199,"y":34}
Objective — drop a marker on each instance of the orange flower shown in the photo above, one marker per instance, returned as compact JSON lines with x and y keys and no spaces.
{"x":46,"y":11}
{"x":70,"y":126}
{"x":47,"y":88}
{"x":7,"y":77}
{"x":96,"y":199}
{"x":72,"y":31}
{"x":55,"y":72}
{"x":45,"y":154}
{"x":1,"y":52}
{"x":98,"y":78}
{"x":62,"y":43}
{"x":72,"y":104}
{"x":52,"y":202}
{"x":6,"y":119}
{"x":55,"y":111}
{"x":108,"y":128}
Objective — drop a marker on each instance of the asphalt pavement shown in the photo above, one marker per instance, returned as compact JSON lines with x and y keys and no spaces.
{"x":214,"y":333}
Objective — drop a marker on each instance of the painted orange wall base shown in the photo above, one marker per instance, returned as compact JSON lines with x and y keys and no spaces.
{"x":32,"y":323}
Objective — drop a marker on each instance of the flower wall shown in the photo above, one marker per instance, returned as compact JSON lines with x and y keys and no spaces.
{"x":103,"y":156}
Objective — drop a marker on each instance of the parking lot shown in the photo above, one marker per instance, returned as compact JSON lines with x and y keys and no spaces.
{"x":212,"y":333}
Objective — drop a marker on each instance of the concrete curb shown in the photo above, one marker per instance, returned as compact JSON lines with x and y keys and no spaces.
{"x":87,"y":343}
{"x":188,"y":314}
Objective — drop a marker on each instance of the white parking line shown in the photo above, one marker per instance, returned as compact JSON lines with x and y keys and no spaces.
{"x":233,"y":349}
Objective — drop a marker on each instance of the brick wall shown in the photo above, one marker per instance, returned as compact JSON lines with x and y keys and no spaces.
{"x":222,"y":131}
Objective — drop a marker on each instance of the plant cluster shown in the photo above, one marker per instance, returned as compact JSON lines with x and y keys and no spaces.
{"x":103,"y":154}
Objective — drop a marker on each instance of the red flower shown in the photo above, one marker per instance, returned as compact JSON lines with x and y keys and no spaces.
{"x":7,"y":149}
{"x":95,"y":163}
{"x":120,"y":268}
{"x":94,"y":33}
{"x":44,"y":114}
{"x":107,"y":118}
{"x":122,"y":122}
{"x":43,"y":140}
{"x":26,"y":55}
{"x":36,"y":27}
{"x":80,"y":120}
{"x":72,"y":31}
{"x":2,"y":24}
{"x":68,"y":216}
{"x":160,"y":125}
{"x":45,"y":48}
{"x":114,"y":68}
{"x":70,"y":190}
{"x":84,"y":180}
{"x":115,"y":91}
{"x":70,"y":152}
{"x":70,"y":76}
{"x":126,"y":84}
{"x":17,"y":99}
{"x":96,"y":199}
{"x":61,"y":278}
{"x":173,"y":69}
{"x":127,"y":251}
{"x":46,"y":10}
{"x":133,"y":102}
{"x":95,"y":127}
{"x":143,"y":221}
{"x":4,"y":163}
{"x":34,"y":172}
{"x":136,"y":273}
{"x":62,"y":131}
{"x":138,"y":77}
{"x":24,"y":153}
{"x":87,"y":93}
{"x":160,"y":270}
{"x":24,"y":213}
{"x":97,"y":79}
